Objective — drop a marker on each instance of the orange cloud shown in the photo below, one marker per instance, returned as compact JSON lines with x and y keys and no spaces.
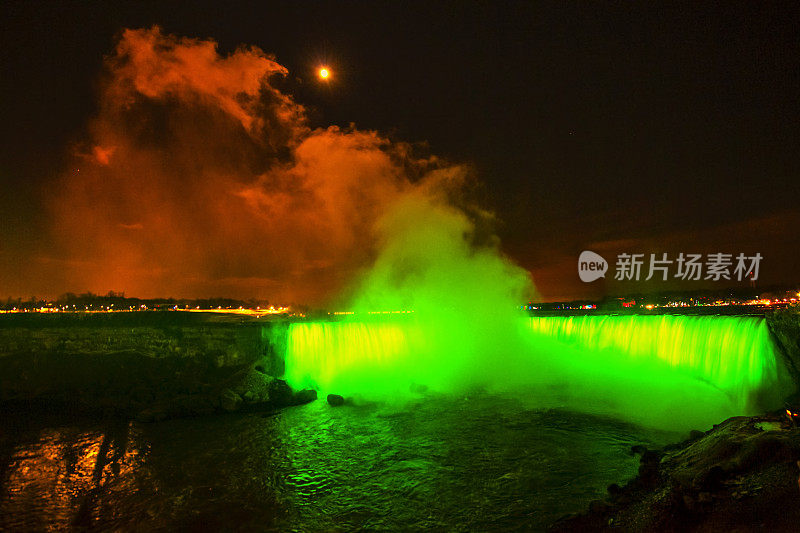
{"x":218,"y":186}
{"x":102,"y":155}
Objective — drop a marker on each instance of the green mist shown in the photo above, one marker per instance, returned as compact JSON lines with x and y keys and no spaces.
{"x":466,"y":332}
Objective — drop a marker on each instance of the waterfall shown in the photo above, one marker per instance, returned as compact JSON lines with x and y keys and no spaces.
{"x":348,"y":356}
{"x":724,"y":364}
{"x":733,"y":353}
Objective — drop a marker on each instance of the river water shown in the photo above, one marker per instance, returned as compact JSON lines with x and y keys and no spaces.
{"x":455,"y":464}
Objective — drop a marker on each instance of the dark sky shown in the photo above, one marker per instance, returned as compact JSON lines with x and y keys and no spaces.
{"x":612,"y":126}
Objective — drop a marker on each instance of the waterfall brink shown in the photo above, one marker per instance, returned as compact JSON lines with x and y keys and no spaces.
{"x":734,"y":354}
{"x":714,"y":366}
{"x":350,"y":356}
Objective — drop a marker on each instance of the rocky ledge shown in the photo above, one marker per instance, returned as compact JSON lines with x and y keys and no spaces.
{"x":742,"y":475}
{"x":248,"y":390}
{"x":147,"y":366}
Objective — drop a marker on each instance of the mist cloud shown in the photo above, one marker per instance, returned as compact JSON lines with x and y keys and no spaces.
{"x":199,"y":178}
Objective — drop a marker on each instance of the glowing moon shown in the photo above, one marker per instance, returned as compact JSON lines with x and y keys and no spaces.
{"x":324,"y":73}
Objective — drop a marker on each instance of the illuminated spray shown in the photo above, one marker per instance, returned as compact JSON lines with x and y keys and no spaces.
{"x":668,"y":371}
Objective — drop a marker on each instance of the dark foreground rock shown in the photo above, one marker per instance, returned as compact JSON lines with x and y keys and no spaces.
{"x":148,"y":366}
{"x":335,"y":400}
{"x":304,"y":396}
{"x":740,"y":476}
{"x":229,"y":400}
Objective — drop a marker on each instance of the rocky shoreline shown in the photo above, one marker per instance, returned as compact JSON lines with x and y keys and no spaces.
{"x":251,"y":390}
{"x":742,"y":475}
{"x":143,"y":366}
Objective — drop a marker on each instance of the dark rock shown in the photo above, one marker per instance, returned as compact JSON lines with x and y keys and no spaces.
{"x":688,"y":502}
{"x":768,"y":447}
{"x":710,"y":479}
{"x":638,"y":449}
{"x":736,"y":476}
{"x":648,"y":468}
{"x":335,"y":400}
{"x":229,"y":400}
{"x":261,"y":369}
{"x":254,"y":386}
{"x":598,"y":506}
{"x":704,"y":497}
{"x":142,"y":365}
{"x":614,"y":489}
{"x":280,"y":394}
{"x":696,"y":434}
{"x":304,"y":396}
{"x":650,"y":456}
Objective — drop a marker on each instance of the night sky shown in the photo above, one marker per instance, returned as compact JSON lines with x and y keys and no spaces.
{"x":614,"y":126}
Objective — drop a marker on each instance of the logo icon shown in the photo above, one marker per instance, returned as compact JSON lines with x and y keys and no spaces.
{"x":591,"y":266}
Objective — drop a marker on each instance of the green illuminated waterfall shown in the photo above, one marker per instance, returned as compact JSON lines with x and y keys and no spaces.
{"x":732,"y":353}
{"x":351,"y":356}
{"x":721,"y":364}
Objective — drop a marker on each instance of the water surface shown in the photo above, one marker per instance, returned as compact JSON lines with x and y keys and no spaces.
{"x":480,"y":463}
